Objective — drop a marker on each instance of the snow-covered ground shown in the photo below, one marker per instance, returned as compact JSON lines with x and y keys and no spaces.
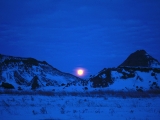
{"x":67,"y":107}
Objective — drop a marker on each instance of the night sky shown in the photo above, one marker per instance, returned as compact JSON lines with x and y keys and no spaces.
{"x":92,"y":34}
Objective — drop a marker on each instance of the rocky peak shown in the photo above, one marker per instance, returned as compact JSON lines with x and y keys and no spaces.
{"x":140,"y":58}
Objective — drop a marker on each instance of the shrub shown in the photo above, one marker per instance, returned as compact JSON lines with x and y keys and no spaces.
{"x":153,"y":74}
{"x":35,"y":83}
{"x":63,"y":84}
{"x":99,"y":81}
{"x":43,"y":110}
{"x":7,"y":85}
{"x":85,"y":88}
{"x":19,"y":88}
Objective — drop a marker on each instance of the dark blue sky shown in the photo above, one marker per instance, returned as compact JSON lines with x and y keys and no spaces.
{"x":79,"y":33}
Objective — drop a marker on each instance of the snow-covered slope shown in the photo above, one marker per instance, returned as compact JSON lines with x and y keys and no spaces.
{"x":127,"y":78}
{"x":139,"y":71}
{"x":136,"y":79}
{"x":29,"y":73}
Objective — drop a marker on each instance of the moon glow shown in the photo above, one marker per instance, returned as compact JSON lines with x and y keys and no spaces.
{"x":80,"y":72}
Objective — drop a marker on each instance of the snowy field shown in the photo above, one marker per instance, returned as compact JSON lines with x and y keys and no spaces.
{"x":78,"y":107}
